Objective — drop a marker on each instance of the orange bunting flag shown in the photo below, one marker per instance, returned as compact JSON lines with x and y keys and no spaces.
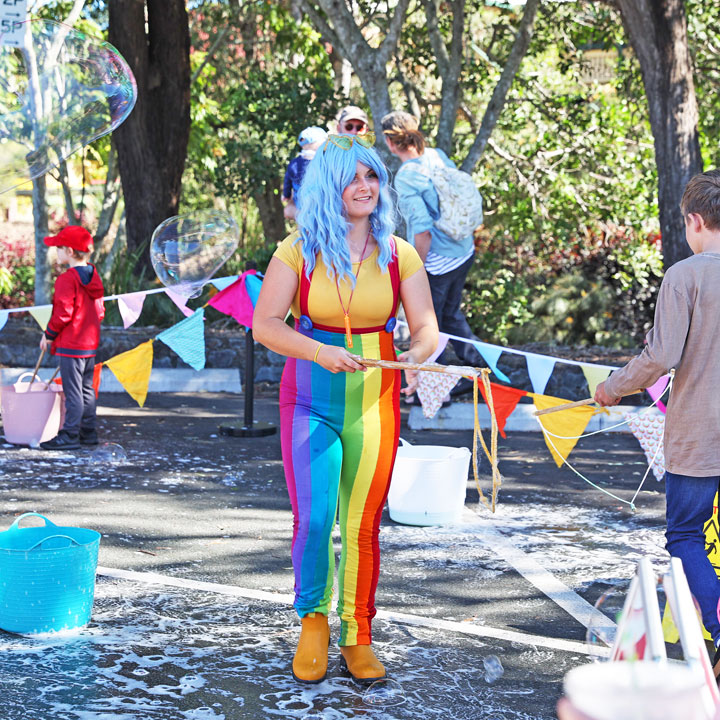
{"x":505,"y":400}
{"x":132,"y":370}
{"x":566,"y":423}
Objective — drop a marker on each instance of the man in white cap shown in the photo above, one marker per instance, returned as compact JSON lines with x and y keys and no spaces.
{"x":309,"y":140}
{"x":352,"y":120}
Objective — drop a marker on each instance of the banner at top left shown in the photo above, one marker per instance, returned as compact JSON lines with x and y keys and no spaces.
{"x":60,"y":89}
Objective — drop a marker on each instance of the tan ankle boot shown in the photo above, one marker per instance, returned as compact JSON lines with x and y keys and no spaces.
{"x":362,"y":663}
{"x":311,"y":657}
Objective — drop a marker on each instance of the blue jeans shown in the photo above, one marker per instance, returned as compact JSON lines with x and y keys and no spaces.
{"x":689,"y":507}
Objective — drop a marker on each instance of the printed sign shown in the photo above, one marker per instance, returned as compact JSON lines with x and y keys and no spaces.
{"x":13,"y":14}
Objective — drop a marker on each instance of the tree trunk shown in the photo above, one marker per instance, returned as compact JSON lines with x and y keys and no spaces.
{"x":152,"y":142}
{"x":658,"y":34}
{"x":271,"y":214}
{"x":43,"y":291}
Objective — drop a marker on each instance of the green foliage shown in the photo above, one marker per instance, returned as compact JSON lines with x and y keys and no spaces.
{"x":266,"y":114}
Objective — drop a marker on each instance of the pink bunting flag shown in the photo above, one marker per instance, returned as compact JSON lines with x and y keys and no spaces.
{"x":235,"y":301}
{"x":130,"y":306}
{"x":442,"y":344}
{"x":180,"y":301}
{"x":656,"y":390}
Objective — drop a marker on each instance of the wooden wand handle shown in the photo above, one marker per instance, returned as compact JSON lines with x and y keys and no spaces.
{"x":462,"y":370}
{"x":37,"y":367}
{"x":570,"y":405}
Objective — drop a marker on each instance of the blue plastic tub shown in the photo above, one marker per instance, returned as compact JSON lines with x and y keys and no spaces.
{"x":47,"y":577}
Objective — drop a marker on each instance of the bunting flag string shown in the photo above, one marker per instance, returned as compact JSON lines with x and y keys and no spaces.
{"x":42,"y":315}
{"x":540,"y":369}
{"x":235,"y":299}
{"x":505,"y":400}
{"x":130,"y":306}
{"x":180,"y":302}
{"x":187,"y":339}
{"x":132,"y":370}
{"x":569,"y":425}
{"x":594,"y":374}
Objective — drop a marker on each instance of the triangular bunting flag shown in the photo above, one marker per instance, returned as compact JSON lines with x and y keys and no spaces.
{"x":566,"y":423}
{"x":540,"y":369}
{"x":594,"y":375}
{"x":132,"y":370}
{"x":97,"y":376}
{"x":187,"y":339}
{"x":657,"y":389}
{"x":649,"y":429}
{"x":432,"y":389}
{"x":180,"y":301}
{"x":222,"y":283}
{"x":3,"y":318}
{"x":490,"y":354}
{"x":130,"y":306}
{"x":253,"y":283}
{"x":235,"y":300}
{"x":505,"y":399}
{"x":42,"y":315}
{"x":442,"y":344}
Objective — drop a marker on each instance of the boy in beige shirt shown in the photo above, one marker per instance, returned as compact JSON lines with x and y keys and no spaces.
{"x":686,"y":336}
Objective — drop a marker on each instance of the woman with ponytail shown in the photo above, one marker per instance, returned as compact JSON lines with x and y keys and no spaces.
{"x":342,"y":275}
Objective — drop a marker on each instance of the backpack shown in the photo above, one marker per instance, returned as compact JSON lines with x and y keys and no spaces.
{"x":461,"y":207}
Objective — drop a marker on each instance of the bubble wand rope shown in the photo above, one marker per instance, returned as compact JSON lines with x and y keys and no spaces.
{"x":631,"y":503}
{"x":610,"y":427}
{"x":472,"y":373}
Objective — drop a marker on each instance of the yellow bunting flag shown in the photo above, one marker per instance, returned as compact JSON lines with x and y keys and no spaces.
{"x":566,"y":423}
{"x":42,"y":315}
{"x":594,"y":376}
{"x":132,"y":370}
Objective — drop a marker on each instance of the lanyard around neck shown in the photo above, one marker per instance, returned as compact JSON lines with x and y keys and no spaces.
{"x":346,"y":312}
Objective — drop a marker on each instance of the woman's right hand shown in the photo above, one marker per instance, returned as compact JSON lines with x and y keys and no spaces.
{"x":338,"y":359}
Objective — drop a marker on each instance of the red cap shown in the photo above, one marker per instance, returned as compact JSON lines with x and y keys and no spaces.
{"x":72,"y":236}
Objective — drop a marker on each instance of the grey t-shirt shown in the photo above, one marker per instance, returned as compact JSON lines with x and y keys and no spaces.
{"x":686,"y":336}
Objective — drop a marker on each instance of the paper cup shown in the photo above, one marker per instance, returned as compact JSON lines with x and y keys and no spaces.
{"x":638,"y":691}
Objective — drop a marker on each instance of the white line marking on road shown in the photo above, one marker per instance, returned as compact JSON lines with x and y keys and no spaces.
{"x":536,"y":574}
{"x":391,"y":616}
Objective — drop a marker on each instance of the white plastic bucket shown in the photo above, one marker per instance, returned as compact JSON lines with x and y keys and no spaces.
{"x":639,"y":691}
{"x":428,"y":484}
{"x":31,"y":414}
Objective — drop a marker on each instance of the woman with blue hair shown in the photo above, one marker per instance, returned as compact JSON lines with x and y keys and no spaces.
{"x":342,"y":275}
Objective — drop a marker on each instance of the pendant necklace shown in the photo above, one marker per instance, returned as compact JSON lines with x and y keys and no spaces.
{"x":346,"y":312}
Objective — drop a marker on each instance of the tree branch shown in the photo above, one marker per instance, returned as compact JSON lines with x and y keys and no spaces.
{"x":497,"y":101}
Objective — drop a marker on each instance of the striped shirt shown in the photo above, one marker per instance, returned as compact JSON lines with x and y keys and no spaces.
{"x":442,"y":264}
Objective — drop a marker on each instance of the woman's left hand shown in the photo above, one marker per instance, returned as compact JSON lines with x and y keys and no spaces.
{"x":411,"y":376}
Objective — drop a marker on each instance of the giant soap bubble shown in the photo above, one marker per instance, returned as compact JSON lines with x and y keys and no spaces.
{"x":187,"y":250}
{"x":59,"y":90}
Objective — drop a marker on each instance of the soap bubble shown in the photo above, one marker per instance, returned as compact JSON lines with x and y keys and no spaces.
{"x":493,"y":668}
{"x":187,"y":250}
{"x":385,"y":691}
{"x":109,"y":453}
{"x":60,"y":89}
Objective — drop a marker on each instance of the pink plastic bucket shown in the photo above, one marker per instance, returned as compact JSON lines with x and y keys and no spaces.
{"x":31,"y":414}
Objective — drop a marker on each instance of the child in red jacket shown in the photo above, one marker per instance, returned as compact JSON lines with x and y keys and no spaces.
{"x":74,"y":334}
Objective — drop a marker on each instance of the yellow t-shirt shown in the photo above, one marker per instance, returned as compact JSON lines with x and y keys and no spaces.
{"x":372,"y":301}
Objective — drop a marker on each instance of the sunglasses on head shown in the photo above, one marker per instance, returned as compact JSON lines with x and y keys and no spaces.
{"x":350,"y":126}
{"x":345,"y":142}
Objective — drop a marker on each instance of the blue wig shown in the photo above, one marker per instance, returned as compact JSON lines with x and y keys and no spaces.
{"x":321,"y":218}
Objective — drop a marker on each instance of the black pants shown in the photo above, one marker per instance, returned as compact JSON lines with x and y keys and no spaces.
{"x":77,"y":379}
{"x":446,"y":293}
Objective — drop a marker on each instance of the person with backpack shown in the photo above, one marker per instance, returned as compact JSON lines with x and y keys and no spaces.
{"x":441,"y":208}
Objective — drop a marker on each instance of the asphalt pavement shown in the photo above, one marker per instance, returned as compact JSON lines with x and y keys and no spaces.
{"x":192,"y":616}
